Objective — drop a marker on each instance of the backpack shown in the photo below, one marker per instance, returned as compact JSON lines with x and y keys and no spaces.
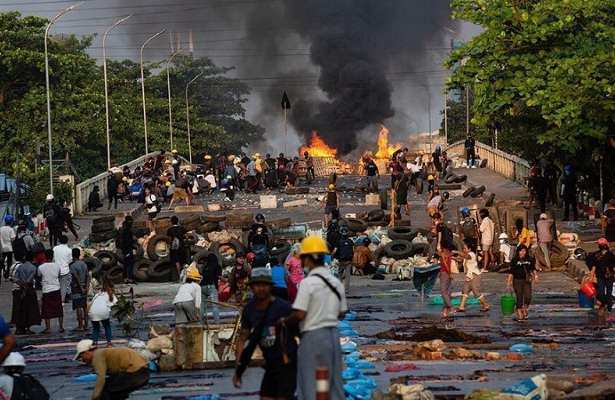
{"x":345,"y":250}
{"x":26,"y":387}
{"x":52,"y":216}
{"x":447,"y":238}
{"x":19,"y":248}
{"x":468,"y":227}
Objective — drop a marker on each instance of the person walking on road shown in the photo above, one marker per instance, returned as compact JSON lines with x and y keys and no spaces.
{"x":100,"y":312}
{"x":545,"y":237}
{"x":344,"y":252}
{"x":320,"y":303}
{"x":80,"y":282}
{"x":260,"y":326}
{"x":53,"y":217}
{"x":331,"y":203}
{"x":602,"y":270}
{"x":112,"y":186}
{"x":472,"y":274}
{"x":211,"y":271}
{"x":119,"y":371}
{"x":468,"y":229}
{"x":487,"y":233}
{"x":371,"y":170}
{"x":126,"y":244}
{"x":63,"y":256}
{"x":7,"y":235}
{"x":522,"y":275}
{"x":470,"y":147}
{"x":177,"y":253}
{"x":444,"y":248}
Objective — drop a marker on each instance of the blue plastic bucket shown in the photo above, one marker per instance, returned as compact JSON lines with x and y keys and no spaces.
{"x":585,"y":301}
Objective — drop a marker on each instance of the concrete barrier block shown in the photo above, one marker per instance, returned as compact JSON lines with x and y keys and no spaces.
{"x":296,"y":203}
{"x":269,"y":201}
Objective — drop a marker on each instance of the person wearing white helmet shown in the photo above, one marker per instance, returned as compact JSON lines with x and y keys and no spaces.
{"x":506,"y":252}
{"x":54,"y":218}
{"x":14,"y":384}
{"x":119,"y":371}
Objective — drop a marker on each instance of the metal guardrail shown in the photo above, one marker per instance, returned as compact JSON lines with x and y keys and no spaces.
{"x":83,"y":190}
{"x":512,"y":167}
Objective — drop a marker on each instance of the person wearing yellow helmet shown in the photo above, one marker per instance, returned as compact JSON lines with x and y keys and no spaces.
{"x":331,"y":202}
{"x":319,"y":304}
{"x":187,"y":301}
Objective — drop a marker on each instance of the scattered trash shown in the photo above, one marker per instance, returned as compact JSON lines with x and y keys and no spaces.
{"x":411,"y":392}
{"x":529,"y":389}
{"x":523,"y":348}
{"x":86,"y":378}
{"x":398,"y":367}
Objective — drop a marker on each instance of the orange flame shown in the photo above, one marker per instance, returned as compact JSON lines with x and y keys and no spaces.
{"x":317,"y":147}
{"x":384,"y":150}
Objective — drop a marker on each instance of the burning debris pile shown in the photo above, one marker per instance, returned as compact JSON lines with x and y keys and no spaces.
{"x":325,"y":157}
{"x":384,"y":150}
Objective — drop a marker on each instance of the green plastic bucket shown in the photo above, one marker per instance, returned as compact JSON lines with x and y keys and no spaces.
{"x":507,"y":302}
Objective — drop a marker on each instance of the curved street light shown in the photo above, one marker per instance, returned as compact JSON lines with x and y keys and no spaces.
{"x":188,"y":116}
{"x":143,"y":86}
{"x":104,"y":41}
{"x":49,"y":25}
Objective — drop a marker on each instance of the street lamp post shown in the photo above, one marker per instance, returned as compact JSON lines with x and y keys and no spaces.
{"x":188,"y":116}
{"x":104,"y":41}
{"x":49,"y":25}
{"x":169,"y":91}
{"x":143,"y":87}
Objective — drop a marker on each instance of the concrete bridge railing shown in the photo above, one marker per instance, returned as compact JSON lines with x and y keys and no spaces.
{"x":83,"y":190}
{"x":512,"y":167}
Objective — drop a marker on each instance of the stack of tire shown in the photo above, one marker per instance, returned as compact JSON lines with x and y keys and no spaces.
{"x":106,"y":264}
{"x":103,"y":229}
{"x":377,"y":217}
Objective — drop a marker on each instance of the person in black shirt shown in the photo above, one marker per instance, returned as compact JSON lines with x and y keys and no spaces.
{"x":539,"y":186}
{"x":522,"y":274}
{"x":210,"y":271}
{"x":552,"y":174}
{"x":470,"y":145}
{"x":602,"y":269}
{"x":401,"y":196}
{"x":569,"y":193}
{"x":371,"y":169}
{"x":126,"y":243}
{"x":309,"y":164}
{"x":258,"y":241}
{"x":259,"y":326}
{"x":177,"y":234}
{"x":332,"y":202}
{"x":608,"y":222}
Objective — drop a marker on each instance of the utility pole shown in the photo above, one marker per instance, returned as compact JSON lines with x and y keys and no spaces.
{"x":188,"y":116}
{"x":446,"y":117}
{"x":467,"y":111}
{"x":143,"y":87}
{"x":169,"y":91}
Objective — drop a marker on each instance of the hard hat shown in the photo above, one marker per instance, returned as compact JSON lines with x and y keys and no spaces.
{"x":49,"y":197}
{"x":207,"y":157}
{"x":254,"y":156}
{"x":313,"y":245}
{"x":430,"y":178}
{"x":174,"y":151}
{"x":602,"y":242}
{"x":83,"y":346}
{"x":250,"y":257}
{"x":543,"y":216}
{"x":465,"y":211}
{"x":167,"y":184}
{"x":446,"y":195}
{"x":236,"y":161}
{"x":231,"y":157}
{"x":261,"y":275}
{"x":14,"y":359}
{"x":258,"y":155}
{"x":175,"y":162}
{"x":125,"y":179}
{"x":193,"y":273}
{"x":503,"y":236}
{"x":167,"y":161}
{"x":8,"y":219}
{"x":259,"y":217}
{"x":331,"y":186}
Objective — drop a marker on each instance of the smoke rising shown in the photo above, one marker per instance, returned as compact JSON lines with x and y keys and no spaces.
{"x":360,"y":51}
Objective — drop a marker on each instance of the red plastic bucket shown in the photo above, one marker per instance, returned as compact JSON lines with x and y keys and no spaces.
{"x":588,"y":289}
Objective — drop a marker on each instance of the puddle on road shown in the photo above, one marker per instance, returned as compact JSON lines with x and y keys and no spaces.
{"x":431,"y":333}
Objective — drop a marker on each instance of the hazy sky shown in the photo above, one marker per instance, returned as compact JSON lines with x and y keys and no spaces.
{"x":264,"y":44}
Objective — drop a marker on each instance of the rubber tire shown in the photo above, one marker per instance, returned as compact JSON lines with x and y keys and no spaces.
{"x":234,"y":243}
{"x":106,"y":218}
{"x":375,"y":215}
{"x":103,"y":227}
{"x":160,"y":271}
{"x":151,"y":247}
{"x":356,"y":225}
{"x":460,"y":179}
{"x":108,"y":259}
{"x":115,"y":274}
{"x":398,"y":249}
{"x":490,"y":200}
{"x":95,"y":266}
{"x":469,"y":191}
{"x":139,"y":252}
{"x":141,"y":270}
{"x":483,"y":163}
{"x":451,"y":179}
{"x":102,"y":236}
{"x":478,"y":191}
{"x":423,"y":231}
{"x":213,"y":218}
{"x":280,"y":248}
{"x":419,"y":185}
{"x":419,"y":249}
{"x":401,"y":233}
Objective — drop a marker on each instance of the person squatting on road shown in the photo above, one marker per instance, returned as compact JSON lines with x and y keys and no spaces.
{"x":260,"y":326}
{"x":522,"y":275}
{"x":472,"y":279}
{"x":319,"y":304}
{"x":119,"y":371}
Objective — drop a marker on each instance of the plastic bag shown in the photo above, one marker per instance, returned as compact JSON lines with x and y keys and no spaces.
{"x":521,"y":348}
{"x":533,"y":388}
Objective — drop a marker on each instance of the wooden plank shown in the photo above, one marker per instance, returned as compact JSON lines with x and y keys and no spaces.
{"x":269,"y":201}
{"x":189,"y":209}
{"x":296,"y":203}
